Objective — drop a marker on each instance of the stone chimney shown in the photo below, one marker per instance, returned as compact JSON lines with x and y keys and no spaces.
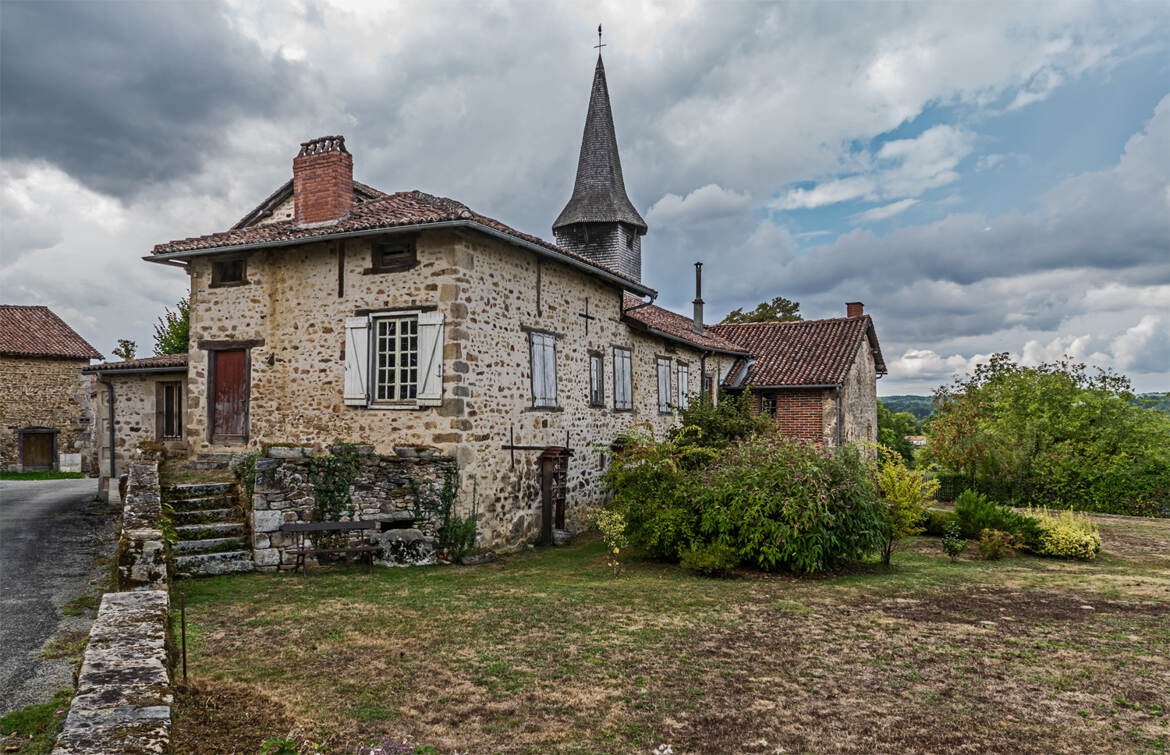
{"x":854,"y":309}
{"x":698,"y":302}
{"x":322,"y":181}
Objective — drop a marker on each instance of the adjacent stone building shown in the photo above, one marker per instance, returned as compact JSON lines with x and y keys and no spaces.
{"x":144,"y":401}
{"x":334,"y":311}
{"x":44,"y":400}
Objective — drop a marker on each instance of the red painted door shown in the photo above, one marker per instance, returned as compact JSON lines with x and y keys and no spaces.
{"x":230,"y":396}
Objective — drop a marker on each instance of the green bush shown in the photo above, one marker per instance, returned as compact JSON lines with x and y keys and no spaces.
{"x":717,"y":425}
{"x":710,"y":560}
{"x":907,"y":494}
{"x":776,"y":503}
{"x":995,"y":544}
{"x":976,"y":513}
{"x":1063,"y":535}
{"x":936,"y":521}
{"x":953,"y":542}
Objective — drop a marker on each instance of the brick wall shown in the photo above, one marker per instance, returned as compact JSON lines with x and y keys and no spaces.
{"x":800,"y":413}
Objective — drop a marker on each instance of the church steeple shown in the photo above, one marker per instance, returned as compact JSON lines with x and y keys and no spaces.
{"x":600,"y":221}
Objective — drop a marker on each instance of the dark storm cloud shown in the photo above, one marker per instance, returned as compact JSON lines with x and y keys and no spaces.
{"x":124,"y":94}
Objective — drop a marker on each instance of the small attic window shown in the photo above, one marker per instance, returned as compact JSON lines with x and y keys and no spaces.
{"x":392,"y":256}
{"x":228,"y":272}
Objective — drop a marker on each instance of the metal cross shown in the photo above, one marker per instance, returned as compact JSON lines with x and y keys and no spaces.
{"x":599,"y":45}
{"x":587,"y":316}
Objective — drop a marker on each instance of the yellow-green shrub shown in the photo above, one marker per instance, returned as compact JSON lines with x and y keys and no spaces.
{"x":1064,"y":535}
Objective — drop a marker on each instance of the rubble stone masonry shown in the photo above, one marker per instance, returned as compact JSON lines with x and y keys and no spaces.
{"x":41,"y":392}
{"x":291,"y":316}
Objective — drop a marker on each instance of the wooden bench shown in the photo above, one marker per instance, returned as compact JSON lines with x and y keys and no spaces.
{"x":305,"y":547}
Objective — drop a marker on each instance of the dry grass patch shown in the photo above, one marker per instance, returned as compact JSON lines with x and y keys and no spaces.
{"x":545,"y":652}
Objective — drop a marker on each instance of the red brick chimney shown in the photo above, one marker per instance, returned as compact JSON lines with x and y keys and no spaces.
{"x":322,"y":180}
{"x":854,"y":309}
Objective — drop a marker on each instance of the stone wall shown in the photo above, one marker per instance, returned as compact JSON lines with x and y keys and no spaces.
{"x":283,"y":492}
{"x":40,"y":392}
{"x":859,"y":398}
{"x":291,"y":316}
{"x":135,"y":417}
{"x":123,"y":700}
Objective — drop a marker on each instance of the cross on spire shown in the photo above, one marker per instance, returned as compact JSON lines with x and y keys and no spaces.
{"x":599,"y":44}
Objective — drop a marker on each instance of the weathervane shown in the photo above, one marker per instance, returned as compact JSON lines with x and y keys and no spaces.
{"x":599,"y":44}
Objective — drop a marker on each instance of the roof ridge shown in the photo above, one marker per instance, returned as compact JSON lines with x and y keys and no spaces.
{"x":785,"y":322}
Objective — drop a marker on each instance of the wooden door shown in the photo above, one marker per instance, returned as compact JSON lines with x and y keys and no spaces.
{"x":229,"y":405}
{"x":36,"y":451}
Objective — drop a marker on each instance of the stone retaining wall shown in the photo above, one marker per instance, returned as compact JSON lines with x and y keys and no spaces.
{"x":283,"y":492}
{"x":123,"y":700}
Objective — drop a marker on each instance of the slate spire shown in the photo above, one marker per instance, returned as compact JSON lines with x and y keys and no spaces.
{"x":599,"y":193}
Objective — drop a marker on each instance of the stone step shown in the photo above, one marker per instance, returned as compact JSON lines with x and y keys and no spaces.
{"x":201,"y":504}
{"x":211,"y":564}
{"x":209,"y":461}
{"x":208,"y":545}
{"x":208,"y":531}
{"x":199,"y":490}
{"x":204,"y":516}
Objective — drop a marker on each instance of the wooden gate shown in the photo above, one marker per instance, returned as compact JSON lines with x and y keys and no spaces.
{"x":229,"y":405}
{"x":37,"y":449}
{"x":554,"y":472}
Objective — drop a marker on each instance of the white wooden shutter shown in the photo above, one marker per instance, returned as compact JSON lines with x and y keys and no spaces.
{"x":430,"y":358}
{"x":663,"y":385}
{"x":357,"y":361}
{"x":623,"y":383}
{"x":536,"y":358}
{"x":550,"y":371}
{"x":544,"y":369}
{"x":684,"y":387}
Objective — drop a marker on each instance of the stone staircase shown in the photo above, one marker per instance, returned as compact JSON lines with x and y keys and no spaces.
{"x":211,"y":529}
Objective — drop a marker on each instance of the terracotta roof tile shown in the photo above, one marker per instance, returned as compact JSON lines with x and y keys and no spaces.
{"x":808,"y":352}
{"x":388,"y":211}
{"x":175,"y":361}
{"x":674,"y":324}
{"x":34,"y":331}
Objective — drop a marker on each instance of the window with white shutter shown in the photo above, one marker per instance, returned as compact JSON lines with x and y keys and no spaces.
{"x":596,"y":380}
{"x":684,"y":386}
{"x":663,"y":385}
{"x":623,"y":383}
{"x":394,"y":360}
{"x":543,"y":347}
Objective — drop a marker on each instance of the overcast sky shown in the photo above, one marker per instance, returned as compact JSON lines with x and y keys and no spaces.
{"x":985,"y":177}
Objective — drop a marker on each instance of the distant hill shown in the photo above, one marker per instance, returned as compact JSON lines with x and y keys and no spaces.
{"x":921,"y":406}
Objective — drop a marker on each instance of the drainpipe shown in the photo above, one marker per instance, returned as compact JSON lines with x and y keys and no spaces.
{"x":110,"y":390}
{"x":838,"y":389}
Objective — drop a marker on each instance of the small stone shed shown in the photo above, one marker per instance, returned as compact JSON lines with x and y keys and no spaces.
{"x":141,"y":400}
{"x":44,"y":400}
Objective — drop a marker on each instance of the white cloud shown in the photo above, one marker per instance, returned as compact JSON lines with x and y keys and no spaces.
{"x":1145,"y":346}
{"x":705,"y":203}
{"x":885,"y":211}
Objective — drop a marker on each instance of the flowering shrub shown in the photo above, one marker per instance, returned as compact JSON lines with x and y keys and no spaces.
{"x":775,"y":503}
{"x":1064,"y":535}
{"x":613,"y":533}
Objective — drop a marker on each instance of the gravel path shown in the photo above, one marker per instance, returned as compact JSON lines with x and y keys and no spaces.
{"x":52,"y":535}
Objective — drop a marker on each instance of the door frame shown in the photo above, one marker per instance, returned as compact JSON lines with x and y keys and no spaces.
{"x":53,"y":458}
{"x":211,"y":347}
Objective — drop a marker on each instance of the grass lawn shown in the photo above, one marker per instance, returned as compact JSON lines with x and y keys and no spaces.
{"x":41,"y":475}
{"x":545,"y":652}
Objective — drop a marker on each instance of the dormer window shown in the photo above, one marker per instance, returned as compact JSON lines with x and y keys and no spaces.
{"x":392,"y":256}
{"x":228,"y":272}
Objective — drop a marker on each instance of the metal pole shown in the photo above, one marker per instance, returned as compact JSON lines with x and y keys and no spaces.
{"x":183,"y":632}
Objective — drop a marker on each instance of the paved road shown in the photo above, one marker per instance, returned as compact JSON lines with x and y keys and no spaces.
{"x":52,"y":533}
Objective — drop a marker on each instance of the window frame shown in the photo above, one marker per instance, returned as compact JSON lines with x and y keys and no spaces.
{"x":217,"y":267}
{"x":172,"y":407}
{"x":399,"y":387}
{"x":596,"y":379}
{"x":769,"y":404}
{"x":379,"y":249}
{"x":621,"y":354}
{"x":663,"y":366}
{"x":547,"y":342}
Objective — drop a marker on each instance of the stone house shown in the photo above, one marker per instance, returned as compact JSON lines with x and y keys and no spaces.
{"x":137,"y":401}
{"x":818,"y":378}
{"x":44,"y":400}
{"x":334,"y":311}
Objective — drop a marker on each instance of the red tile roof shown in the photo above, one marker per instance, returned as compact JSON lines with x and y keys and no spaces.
{"x":34,"y":331}
{"x":809,"y":352}
{"x":673,"y":324}
{"x":177,"y":362}
{"x":387,"y":211}
{"x":361,"y":193}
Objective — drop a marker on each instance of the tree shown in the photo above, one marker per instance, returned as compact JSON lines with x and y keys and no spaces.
{"x":126,"y":349}
{"x":777,"y":310}
{"x":1053,"y":435}
{"x":907,"y":495}
{"x":173,"y":330}
{"x":893,"y":427}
